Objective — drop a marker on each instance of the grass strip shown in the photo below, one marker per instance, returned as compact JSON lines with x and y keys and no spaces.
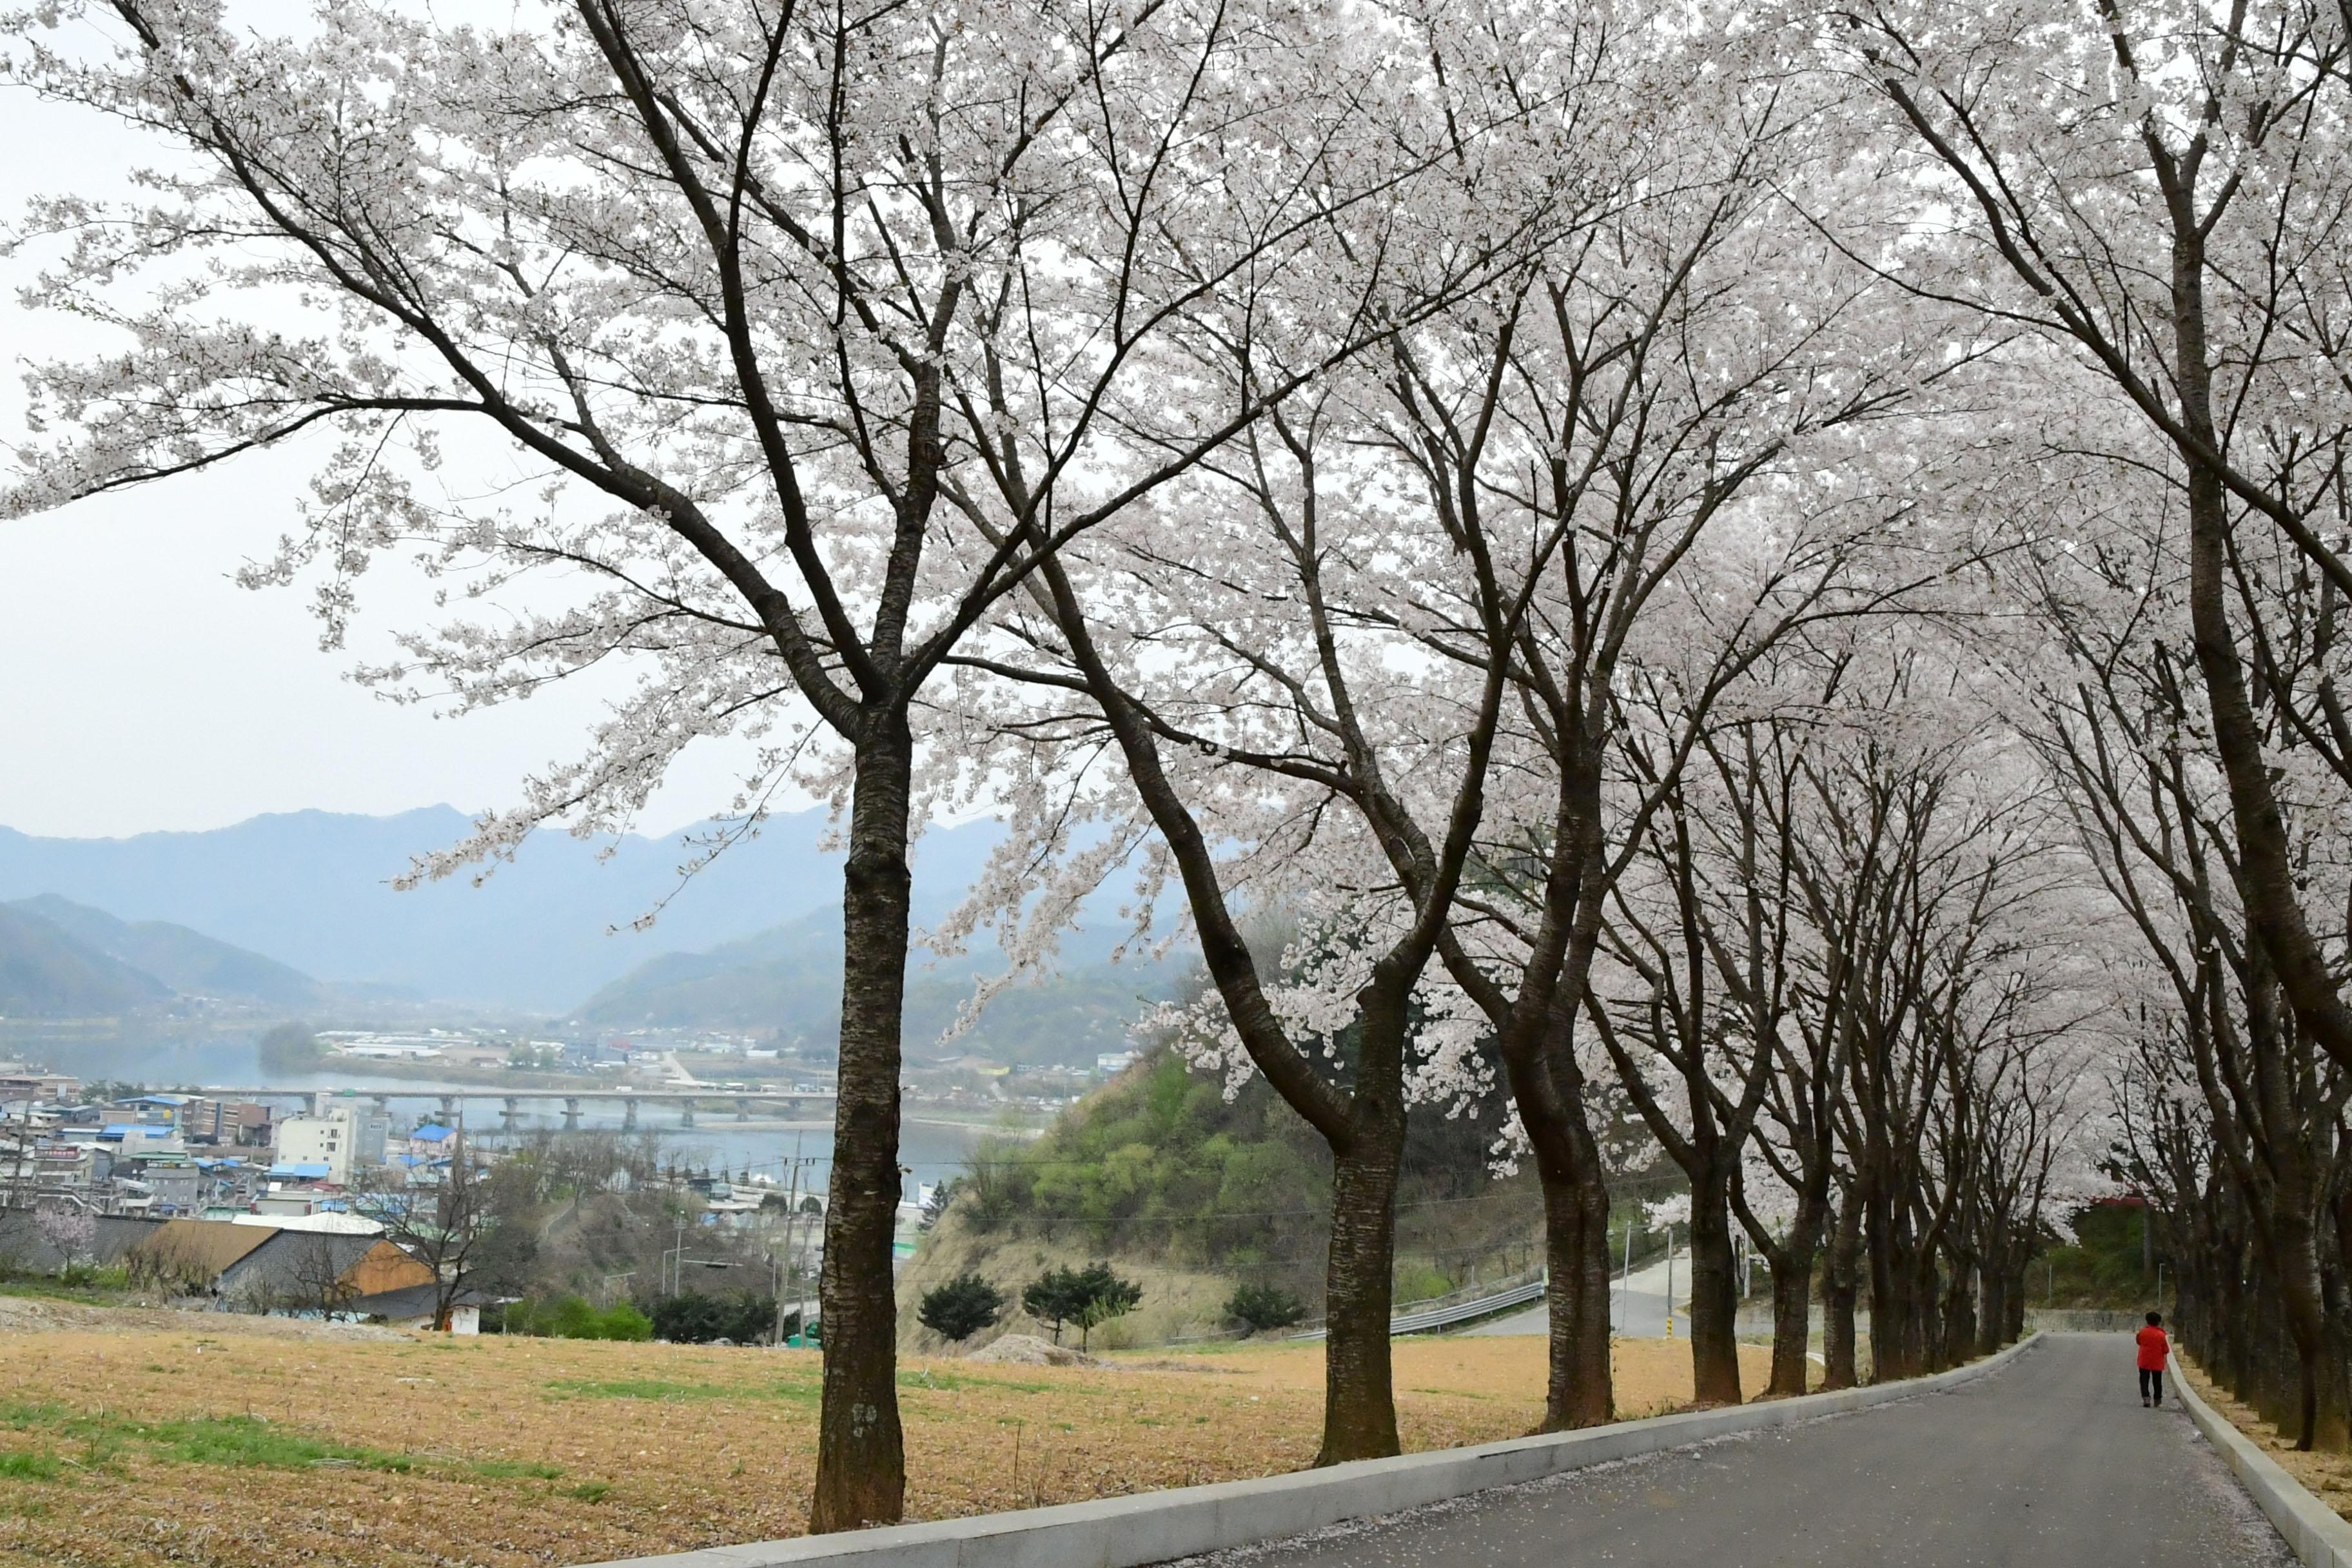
{"x":244,"y":1441}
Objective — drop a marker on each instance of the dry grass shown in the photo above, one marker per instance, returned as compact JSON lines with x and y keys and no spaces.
{"x":200,"y":1443}
{"x":2325,"y":1475}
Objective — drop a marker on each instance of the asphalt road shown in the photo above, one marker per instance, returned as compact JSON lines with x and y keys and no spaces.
{"x":1637,"y":1307}
{"x":2049,"y":1463}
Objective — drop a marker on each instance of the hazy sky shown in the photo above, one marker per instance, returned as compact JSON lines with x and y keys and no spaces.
{"x":140,"y":688}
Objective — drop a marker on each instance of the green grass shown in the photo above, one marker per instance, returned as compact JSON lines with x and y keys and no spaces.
{"x":108,"y":1290}
{"x":28,"y":1467}
{"x":948,"y":1381}
{"x":589,"y":1491}
{"x":240,"y":1442}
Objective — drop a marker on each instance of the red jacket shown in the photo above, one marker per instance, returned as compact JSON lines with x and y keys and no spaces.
{"x":2153,"y":1349}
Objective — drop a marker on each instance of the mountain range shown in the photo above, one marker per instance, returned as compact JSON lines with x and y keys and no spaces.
{"x":297,"y":913}
{"x":63,"y":960}
{"x":313,"y":892}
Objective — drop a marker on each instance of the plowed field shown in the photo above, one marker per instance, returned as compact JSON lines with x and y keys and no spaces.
{"x":193,"y":1442}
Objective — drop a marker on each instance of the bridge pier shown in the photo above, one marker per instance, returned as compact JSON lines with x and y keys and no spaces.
{"x":507,"y":1114}
{"x":572,"y":1113}
{"x":448,"y":1110}
{"x":685,"y":1113}
{"x":628,"y":1116}
{"x":742,"y":1111}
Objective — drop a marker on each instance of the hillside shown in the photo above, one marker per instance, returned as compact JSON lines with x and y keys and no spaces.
{"x":45,"y":973}
{"x":1192,"y":1193}
{"x":185,"y":961}
{"x":788,"y":979}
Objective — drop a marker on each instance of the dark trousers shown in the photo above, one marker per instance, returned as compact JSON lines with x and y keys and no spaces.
{"x":2151,"y":1383}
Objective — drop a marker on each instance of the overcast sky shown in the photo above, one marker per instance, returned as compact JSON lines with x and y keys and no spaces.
{"x":140,"y":688}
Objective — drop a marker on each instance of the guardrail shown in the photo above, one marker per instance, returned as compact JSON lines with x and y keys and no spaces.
{"x":1430,"y":1318}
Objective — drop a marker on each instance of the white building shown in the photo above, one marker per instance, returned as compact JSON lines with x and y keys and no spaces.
{"x":347,"y":1136}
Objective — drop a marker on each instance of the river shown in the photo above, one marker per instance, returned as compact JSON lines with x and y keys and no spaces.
{"x":932,"y":1151}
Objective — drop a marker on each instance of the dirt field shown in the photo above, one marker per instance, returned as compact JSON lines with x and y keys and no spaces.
{"x":222,"y":1440}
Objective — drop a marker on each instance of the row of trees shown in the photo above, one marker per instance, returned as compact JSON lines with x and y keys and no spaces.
{"x":1620,"y":527}
{"x":1088,"y":1298}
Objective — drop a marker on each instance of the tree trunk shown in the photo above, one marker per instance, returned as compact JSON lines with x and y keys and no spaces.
{"x":1358,"y":1395}
{"x":1792,"y":1328}
{"x":861,"y":1474}
{"x":1992,"y":1330}
{"x":1578,"y":1390}
{"x":1840,"y":1286}
{"x":1714,"y":1298}
{"x":1960,"y":1326}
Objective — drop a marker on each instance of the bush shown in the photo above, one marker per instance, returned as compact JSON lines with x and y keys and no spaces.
{"x":1262,"y":1307}
{"x":572,"y":1318}
{"x":1087,"y":1297}
{"x":960,"y":1308}
{"x":691,"y":1318}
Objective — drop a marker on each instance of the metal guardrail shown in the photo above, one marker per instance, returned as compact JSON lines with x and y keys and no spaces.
{"x":1458,"y":1312}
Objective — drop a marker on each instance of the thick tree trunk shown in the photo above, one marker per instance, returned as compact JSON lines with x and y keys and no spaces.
{"x":1960,"y":1325}
{"x":1578,"y":1389}
{"x":1840,"y":1288}
{"x":1793,"y":1329}
{"x":1714,"y":1298}
{"x":1894,"y":1352}
{"x":1359,"y":1396}
{"x":1992,"y":1329}
{"x":861,"y":1474}
{"x":2303,"y":1308}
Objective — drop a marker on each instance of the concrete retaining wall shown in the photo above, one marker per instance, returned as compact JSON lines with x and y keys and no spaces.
{"x":2318,"y":1535}
{"x":1154,"y":1527}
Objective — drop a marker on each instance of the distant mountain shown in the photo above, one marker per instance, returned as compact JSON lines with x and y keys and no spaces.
{"x":45,"y":973}
{"x":185,"y":961}
{"x":312,"y":891}
{"x":788,"y":979}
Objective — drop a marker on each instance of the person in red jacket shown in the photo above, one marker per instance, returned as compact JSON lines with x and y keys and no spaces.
{"x":2155,"y":1349}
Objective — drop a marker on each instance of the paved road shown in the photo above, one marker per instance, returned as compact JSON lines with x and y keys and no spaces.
{"x":1637,"y":1307}
{"x":2049,"y":1463}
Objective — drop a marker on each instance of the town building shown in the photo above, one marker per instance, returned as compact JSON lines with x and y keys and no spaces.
{"x":304,"y":1272}
{"x":347,"y":1136}
{"x":238,"y":1123}
{"x":20,"y":1084}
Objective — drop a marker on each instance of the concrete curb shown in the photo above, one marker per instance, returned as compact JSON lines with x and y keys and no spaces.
{"x":1155,"y":1526}
{"x":2318,"y":1534}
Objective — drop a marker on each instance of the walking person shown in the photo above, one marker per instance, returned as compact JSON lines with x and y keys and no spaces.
{"x":2155,"y":1349}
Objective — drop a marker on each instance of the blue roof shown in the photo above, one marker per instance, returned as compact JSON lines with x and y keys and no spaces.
{"x":308,"y":1169}
{"x":119,"y":1130}
{"x":431,"y":1132}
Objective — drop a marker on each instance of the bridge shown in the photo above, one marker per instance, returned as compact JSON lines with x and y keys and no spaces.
{"x":687,"y":1097}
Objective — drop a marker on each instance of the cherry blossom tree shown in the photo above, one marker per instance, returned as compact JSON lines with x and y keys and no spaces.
{"x":1279,"y":690}
{"x":750,"y":307}
{"x":2157,"y":190}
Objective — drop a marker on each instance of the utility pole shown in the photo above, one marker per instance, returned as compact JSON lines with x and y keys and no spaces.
{"x":790,"y":1271}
